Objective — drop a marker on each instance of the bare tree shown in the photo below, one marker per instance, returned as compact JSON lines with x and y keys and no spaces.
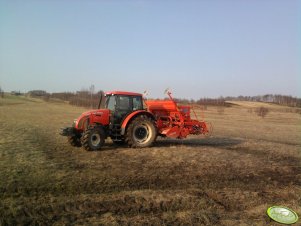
{"x":262,"y":111}
{"x":91,"y":89}
{"x":1,"y":92}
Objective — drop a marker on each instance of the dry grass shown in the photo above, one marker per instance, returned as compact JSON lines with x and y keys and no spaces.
{"x":230,"y":178}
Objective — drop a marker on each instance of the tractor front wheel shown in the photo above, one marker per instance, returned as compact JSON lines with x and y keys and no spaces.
{"x":93,"y":138}
{"x":141,"y":132}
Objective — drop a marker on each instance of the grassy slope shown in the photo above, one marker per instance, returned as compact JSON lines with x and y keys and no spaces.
{"x":231,"y":178}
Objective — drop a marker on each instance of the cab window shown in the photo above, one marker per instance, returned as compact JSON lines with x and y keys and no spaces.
{"x":111,"y":102}
{"x":137,"y":103}
{"x":124,"y":103}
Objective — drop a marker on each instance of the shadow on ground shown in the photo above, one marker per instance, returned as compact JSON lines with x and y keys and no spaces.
{"x":192,"y":142}
{"x":218,"y":142}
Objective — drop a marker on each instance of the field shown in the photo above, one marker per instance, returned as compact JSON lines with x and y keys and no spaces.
{"x":230,"y":178}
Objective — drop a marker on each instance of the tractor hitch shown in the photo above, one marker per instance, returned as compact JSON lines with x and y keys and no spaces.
{"x":68,"y":131}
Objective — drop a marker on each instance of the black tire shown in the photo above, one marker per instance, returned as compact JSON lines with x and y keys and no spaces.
{"x":74,"y":141}
{"x":141,"y":132}
{"x":93,"y":138}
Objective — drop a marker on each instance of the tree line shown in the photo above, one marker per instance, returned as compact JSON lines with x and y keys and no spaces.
{"x":83,"y":98}
{"x":90,"y":98}
{"x":284,"y":100}
{"x":271,"y":98}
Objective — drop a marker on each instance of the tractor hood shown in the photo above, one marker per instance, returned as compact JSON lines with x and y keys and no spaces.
{"x":97,"y":111}
{"x":100,"y":116}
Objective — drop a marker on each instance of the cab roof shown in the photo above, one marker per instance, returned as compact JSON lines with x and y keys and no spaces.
{"x":122,"y":93}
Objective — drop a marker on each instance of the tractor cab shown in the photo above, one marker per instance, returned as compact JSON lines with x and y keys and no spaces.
{"x":122,"y":104}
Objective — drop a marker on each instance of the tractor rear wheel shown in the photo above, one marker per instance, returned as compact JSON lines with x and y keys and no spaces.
{"x":74,"y":141}
{"x":141,"y":132}
{"x":93,"y":138}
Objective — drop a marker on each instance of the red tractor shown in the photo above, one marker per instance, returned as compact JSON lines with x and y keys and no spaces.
{"x":127,"y":118}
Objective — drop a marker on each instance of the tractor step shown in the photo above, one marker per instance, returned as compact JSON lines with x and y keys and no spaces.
{"x":116,"y":132}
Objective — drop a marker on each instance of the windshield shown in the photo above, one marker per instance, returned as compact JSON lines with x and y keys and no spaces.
{"x":110,"y":102}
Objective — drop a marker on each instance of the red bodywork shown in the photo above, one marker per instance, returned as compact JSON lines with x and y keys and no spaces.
{"x":99,"y":116}
{"x":171,"y":120}
{"x":131,"y":116}
{"x":174,"y":121}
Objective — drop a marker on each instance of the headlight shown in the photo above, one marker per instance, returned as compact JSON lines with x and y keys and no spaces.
{"x":74,"y":123}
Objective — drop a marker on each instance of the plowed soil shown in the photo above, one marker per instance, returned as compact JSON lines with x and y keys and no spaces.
{"x":230,"y":178}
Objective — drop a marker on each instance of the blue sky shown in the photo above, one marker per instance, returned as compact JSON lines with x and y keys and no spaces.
{"x":197,"y":48}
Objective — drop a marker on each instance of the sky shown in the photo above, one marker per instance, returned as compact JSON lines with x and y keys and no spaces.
{"x":195,"y":48}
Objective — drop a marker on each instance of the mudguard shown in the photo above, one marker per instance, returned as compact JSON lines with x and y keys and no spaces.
{"x":133,"y":115}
